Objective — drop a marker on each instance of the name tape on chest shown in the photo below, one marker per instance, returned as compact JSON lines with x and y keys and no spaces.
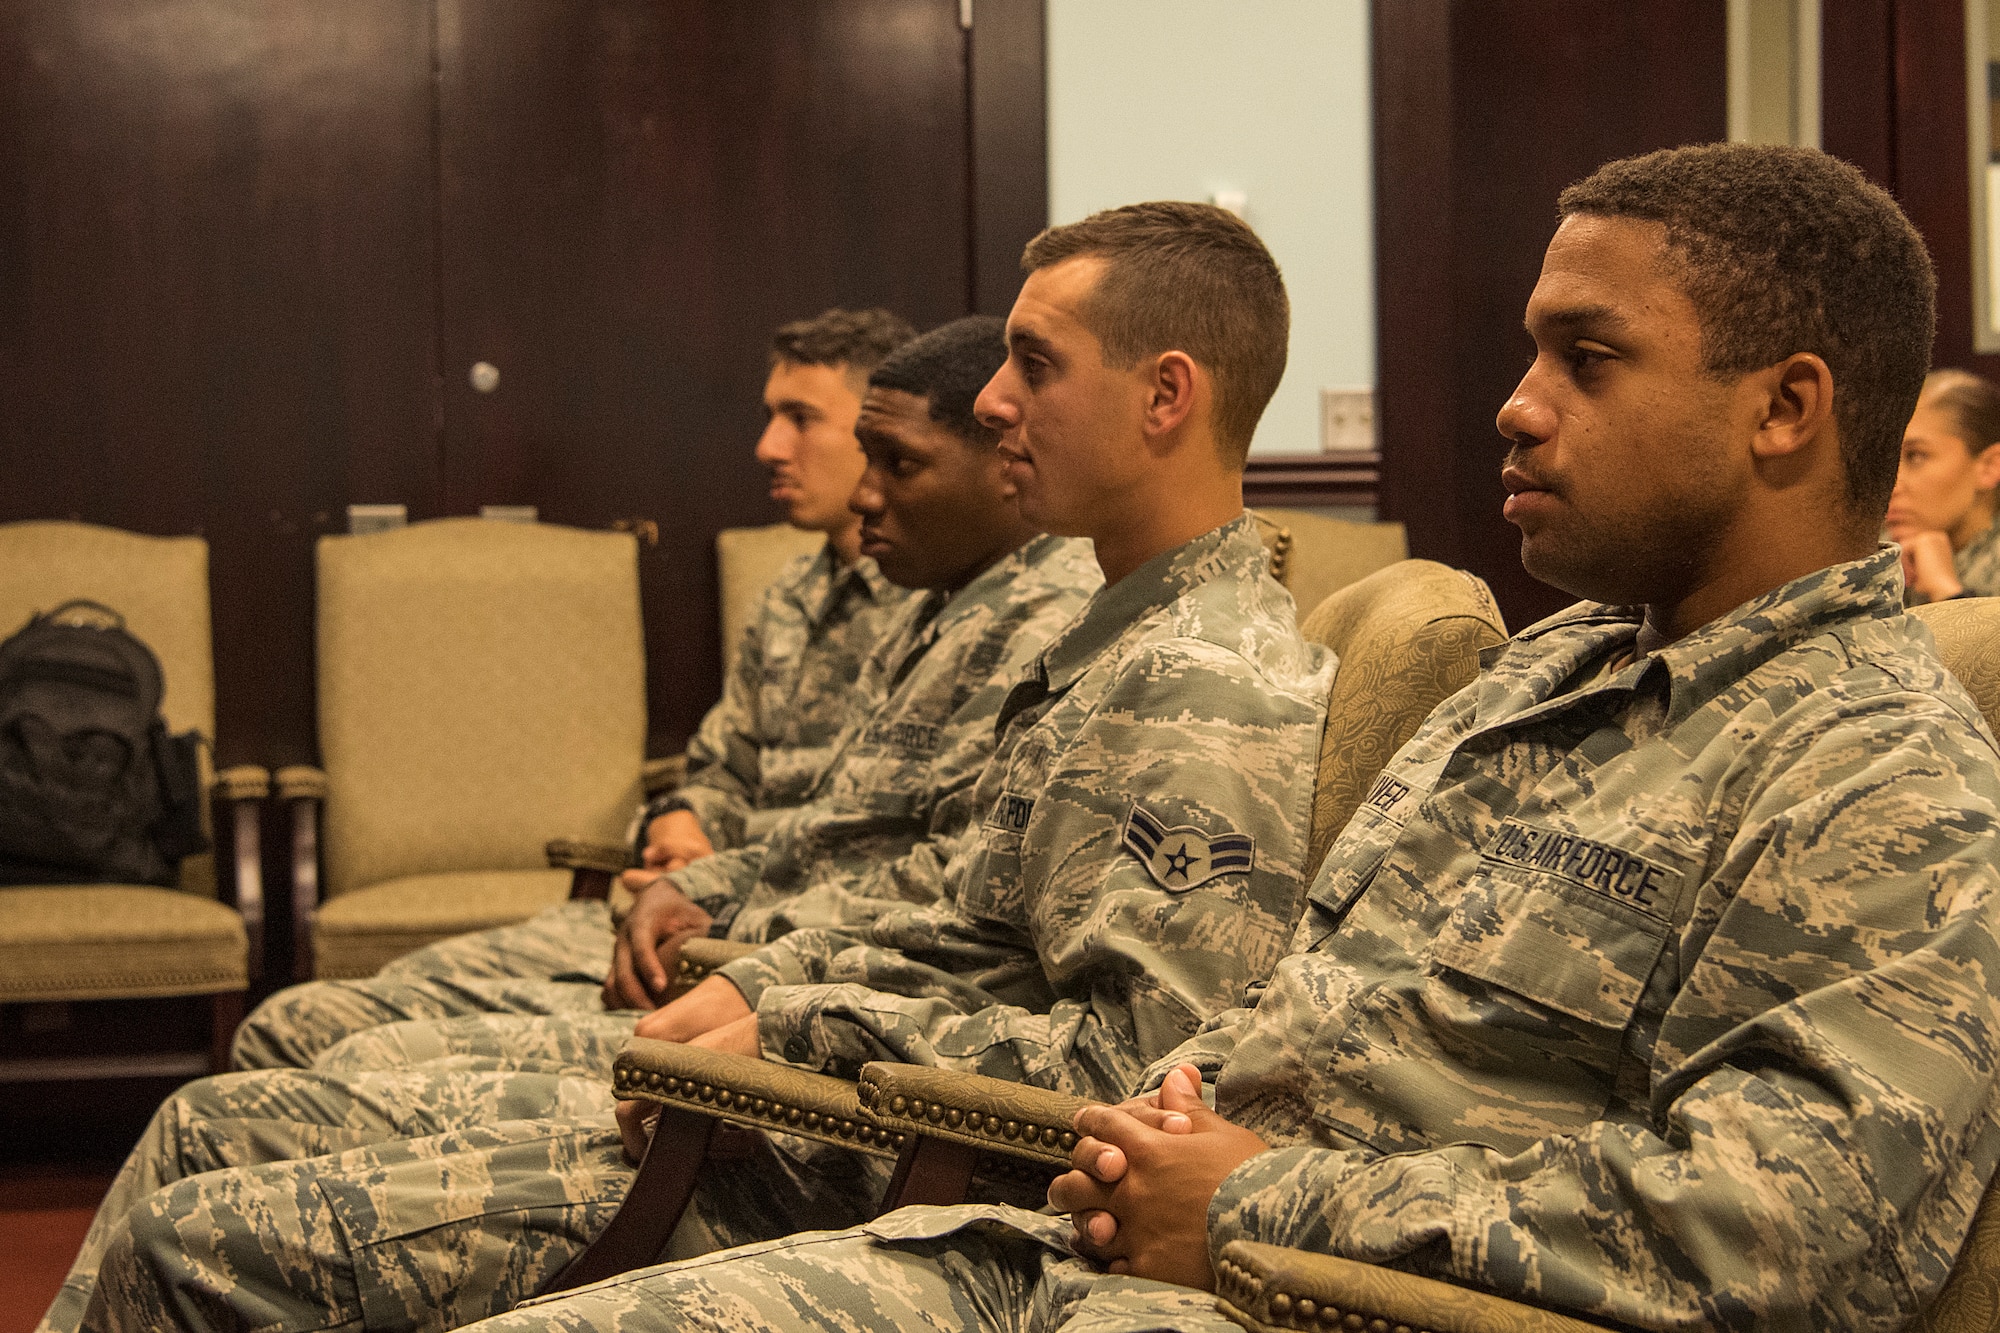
{"x":913,"y":737}
{"x":1010,"y":813}
{"x":1389,"y":796}
{"x":1620,"y":875}
{"x":1182,"y":857}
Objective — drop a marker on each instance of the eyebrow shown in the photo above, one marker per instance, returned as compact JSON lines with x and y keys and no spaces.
{"x":1581,"y":319}
{"x":1018,"y":339}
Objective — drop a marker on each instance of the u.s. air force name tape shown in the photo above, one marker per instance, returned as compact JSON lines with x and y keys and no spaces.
{"x":1182,"y":857}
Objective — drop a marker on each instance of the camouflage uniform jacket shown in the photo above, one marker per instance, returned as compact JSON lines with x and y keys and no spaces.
{"x":896,"y":795}
{"x":1978,"y":565}
{"x":1663,"y":991}
{"x":1139,"y":863}
{"x":793,"y":687}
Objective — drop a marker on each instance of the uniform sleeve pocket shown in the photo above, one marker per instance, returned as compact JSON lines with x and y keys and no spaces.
{"x":1553,"y":942}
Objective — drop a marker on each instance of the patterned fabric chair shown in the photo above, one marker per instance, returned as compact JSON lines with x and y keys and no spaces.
{"x":1407,"y":636}
{"x":70,"y":942}
{"x":481,"y":690}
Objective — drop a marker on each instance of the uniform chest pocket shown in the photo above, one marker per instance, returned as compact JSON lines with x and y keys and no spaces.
{"x":1554,"y":942}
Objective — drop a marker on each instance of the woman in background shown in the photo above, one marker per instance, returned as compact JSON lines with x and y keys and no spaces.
{"x":1943,"y":507}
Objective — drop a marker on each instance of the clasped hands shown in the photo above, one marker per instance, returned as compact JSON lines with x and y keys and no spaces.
{"x":1142,"y":1176}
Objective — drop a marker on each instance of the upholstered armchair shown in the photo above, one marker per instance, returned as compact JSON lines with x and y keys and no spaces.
{"x":1318,"y":556}
{"x":63,"y":943}
{"x":1407,"y":636}
{"x":481,"y":691}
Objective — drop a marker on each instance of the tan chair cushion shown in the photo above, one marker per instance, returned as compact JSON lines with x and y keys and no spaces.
{"x":1409,"y":637}
{"x":107,"y":941}
{"x":747,"y":561}
{"x":356,"y":933}
{"x":481,"y":691}
{"x":1967,"y":631}
{"x":1327,"y":554}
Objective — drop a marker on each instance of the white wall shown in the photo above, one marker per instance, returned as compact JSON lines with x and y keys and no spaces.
{"x":1178,"y":99}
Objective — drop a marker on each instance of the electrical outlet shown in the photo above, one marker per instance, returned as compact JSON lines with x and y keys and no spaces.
{"x":375,"y":518}
{"x":1346,"y":421}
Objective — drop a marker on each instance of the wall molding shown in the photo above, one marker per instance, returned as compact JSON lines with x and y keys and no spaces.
{"x":1304,"y":481}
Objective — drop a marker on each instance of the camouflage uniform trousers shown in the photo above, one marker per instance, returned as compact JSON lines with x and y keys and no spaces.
{"x":918,"y":1268}
{"x":425,"y":1233}
{"x":552,"y":963}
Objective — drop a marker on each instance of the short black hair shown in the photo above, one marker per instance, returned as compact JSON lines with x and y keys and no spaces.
{"x":856,"y":339}
{"x":1786,"y":250}
{"x":1184,"y":276}
{"x":950,"y":365}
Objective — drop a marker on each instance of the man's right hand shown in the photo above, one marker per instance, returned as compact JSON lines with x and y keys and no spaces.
{"x":674,"y":839}
{"x":649,"y":941}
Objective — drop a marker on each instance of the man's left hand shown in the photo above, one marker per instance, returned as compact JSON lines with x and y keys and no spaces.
{"x":713,"y":1004}
{"x":1139,"y":1192}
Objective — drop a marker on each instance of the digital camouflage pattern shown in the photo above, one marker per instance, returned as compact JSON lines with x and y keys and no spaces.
{"x":1978,"y":565}
{"x":796,"y":684}
{"x":1663,"y":991}
{"x":1670,"y":999}
{"x":898,"y":794}
{"x":1057,"y":955}
{"x":900,"y":786}
{"x":798,"y":680}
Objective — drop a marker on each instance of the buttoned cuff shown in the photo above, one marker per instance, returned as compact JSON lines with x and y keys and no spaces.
{"x":1280,"y":1197}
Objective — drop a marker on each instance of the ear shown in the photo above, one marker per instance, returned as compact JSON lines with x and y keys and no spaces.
{"x":1986,"y":468}
{"x":1172,"y":380}
{"x":1796,"y":401}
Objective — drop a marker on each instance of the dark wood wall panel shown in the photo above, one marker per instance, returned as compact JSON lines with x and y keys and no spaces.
{"x":1484,"y":110}
{"x":1010,"y":171}
{"x":215,"y":271}
{"x":635,"y":194}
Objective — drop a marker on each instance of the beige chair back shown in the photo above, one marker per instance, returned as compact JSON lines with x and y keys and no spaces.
{"x":1323,"y":555}
{"x":1409,"y":636}
{"x":481,"y":690}
{"x":747,"y":561}
{"x":160,"y":586}
{"x":1968,"y":639}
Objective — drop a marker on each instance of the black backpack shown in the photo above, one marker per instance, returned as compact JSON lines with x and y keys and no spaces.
{"x":92,"y":788}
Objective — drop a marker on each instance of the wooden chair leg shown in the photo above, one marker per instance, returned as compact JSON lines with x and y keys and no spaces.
{"x":652,"y":1209}
{"x":225,"y":1013}
{"x":931,"y":1171}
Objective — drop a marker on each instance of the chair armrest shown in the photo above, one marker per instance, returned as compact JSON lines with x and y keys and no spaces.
{"x":593,"y":865}
{"x":754,"y":1093}
{"x":702,"y":955}
{"x":991,"y":1114}
{"x":238,"y":794}
{"x":657,"y":777}
{"x":1269,"y":1287}
{"x":303,"y":788}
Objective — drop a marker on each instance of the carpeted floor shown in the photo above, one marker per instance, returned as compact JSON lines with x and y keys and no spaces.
{"x":44,"y":1211}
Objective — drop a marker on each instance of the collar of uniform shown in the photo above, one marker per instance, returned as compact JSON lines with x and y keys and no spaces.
{"x":942,"y":610}
{"x":1232,"y":550}
{"x":1722,"y":652}
{"x":827,"y":585}
{"x":1979,"y":547}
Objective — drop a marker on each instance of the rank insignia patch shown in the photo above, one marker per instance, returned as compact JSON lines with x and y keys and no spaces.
{"x":1183,"y":857}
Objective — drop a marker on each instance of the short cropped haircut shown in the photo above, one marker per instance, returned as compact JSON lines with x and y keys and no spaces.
{"x":1786,"y":250}
{"x":950,"y":365}
{"x":855,"y":339}
{"x":1184,"y":277}
{"x":1973,"y":404}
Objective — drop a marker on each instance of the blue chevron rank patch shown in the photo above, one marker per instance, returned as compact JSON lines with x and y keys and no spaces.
{"x":1181,"y":858}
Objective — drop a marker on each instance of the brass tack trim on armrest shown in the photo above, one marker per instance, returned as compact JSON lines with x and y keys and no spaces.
{"x":665,"y":1088}
{"x":974,"y":1122}
{"x":1245,"y":1290}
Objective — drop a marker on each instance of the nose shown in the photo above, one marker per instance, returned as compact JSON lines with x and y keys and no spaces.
{"x":866,"y":499}
{"x":995,"y":407}
{"x":774,"y":446}
{"x":1524,"y":418}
